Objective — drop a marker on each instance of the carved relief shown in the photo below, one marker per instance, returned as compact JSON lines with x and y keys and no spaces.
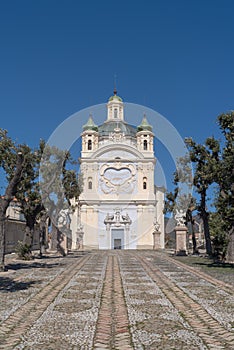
{"x":84,"y":168}
{"x":150,"y":166}
{"x":117,"y":178}
{"x":117,"y":136}
{"x":140,"y":166}
{"x":95,"y":167}
{"x":117,"y":219}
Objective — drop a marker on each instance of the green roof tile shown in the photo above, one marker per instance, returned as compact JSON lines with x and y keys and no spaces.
{"x":144,"y":125}
{"x":108,"y":127}
{"x":115,"y":97}
{"x":90,"y":125}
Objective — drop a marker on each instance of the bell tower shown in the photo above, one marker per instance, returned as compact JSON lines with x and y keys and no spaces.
{"x":145,"y":137}
{"x":89,"y":137}
{"x":115,"y":108}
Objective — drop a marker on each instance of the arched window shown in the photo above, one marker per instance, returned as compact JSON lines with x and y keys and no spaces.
{"x":145,"y":145}
{"x":115,"y":113}
{"x":90,"y":184}
{"x":89,"y":145}
{"x":144,"y":183}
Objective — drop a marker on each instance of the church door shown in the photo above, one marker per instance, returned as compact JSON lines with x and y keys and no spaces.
{"x":117,"y":238}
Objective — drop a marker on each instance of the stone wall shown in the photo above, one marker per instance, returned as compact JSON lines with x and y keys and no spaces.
{"x":15,"y":232}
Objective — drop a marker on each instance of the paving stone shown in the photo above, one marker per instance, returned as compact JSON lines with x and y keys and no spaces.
{"x":114,"y":300}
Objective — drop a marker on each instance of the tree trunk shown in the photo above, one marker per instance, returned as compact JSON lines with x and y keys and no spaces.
{"x":2,"y":242}
{"x":230,"y":247}
{"x":205,"y":218}
{"x":28,"y":235}
{"x":54,"y":238}
{"x":42,"y":229}
{"x":30,"y":216}
{"x":189,"y":218}
{"x":195,"y":251}
{"x":4,"y":204}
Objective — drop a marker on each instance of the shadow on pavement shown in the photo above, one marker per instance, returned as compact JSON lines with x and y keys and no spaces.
{"x":7,"y":284}
{"x":215,"y":264}
{"x":19,"y":265}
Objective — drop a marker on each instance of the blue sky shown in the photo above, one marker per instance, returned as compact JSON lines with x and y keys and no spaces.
{"x":58,"y":57}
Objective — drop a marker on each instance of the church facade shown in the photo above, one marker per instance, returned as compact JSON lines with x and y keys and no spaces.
{"x":120,"y":207}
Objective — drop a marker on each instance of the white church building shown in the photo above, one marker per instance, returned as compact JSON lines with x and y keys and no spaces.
{"x":120,"y":206}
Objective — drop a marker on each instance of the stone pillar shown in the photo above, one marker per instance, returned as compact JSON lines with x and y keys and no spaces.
{"x":181,"y":240}
{"x":156,"y":240}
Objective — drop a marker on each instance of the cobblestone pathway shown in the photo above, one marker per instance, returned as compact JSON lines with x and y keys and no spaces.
{"x":114,"y":300}
{"x":180,"y":310}
{"x":112,"y":327}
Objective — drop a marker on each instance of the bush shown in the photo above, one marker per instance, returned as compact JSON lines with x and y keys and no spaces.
{"x":220,"y":242}
{"x":23,"y":250}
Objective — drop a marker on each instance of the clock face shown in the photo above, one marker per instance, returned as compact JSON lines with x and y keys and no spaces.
{"x":117,"y":179}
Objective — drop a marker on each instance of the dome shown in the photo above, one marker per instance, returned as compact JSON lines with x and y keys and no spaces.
{"x":108,"y":127}
{"x":115,"y":97}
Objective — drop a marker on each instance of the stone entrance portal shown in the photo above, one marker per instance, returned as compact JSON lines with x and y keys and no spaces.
{"x":117,"y":238}
{"x":117,"y":227}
